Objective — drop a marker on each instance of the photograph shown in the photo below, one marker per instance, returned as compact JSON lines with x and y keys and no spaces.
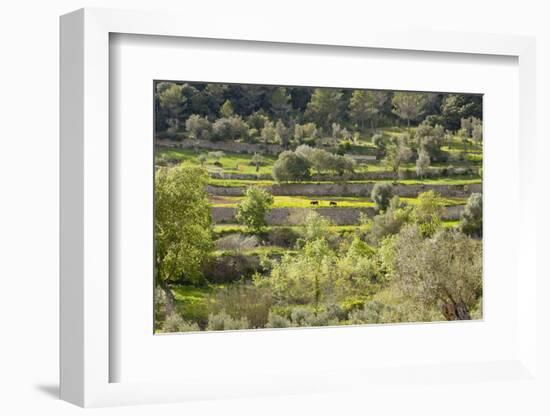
{"x":279,"y":206}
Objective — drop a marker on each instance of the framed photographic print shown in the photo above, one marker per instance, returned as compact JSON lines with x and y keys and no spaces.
{"x":273,"y":214}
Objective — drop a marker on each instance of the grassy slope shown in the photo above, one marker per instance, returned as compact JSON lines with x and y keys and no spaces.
{"x":305,"y":201}
{"x":455,"y":180}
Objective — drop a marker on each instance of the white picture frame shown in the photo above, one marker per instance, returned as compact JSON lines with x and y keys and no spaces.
{"x":85,"y":220}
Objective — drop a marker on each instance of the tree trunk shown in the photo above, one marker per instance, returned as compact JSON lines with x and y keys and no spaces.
{"x":455,"y":311}
{"x":169,"y":307}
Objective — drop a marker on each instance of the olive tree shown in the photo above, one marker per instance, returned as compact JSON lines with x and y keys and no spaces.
{"x":422,"y":163}
{"x":251,"y":211}
{"x":183,"y":236}
{"x":471,"y":220}
{"x":444,"y":271}
{"x":290,"y":166}
{"x":381,"y":195}
{"x":396,"y":154}
{"x":198,"y":128}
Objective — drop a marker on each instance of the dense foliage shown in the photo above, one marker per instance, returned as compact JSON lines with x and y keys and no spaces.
{"x":280,"y":207}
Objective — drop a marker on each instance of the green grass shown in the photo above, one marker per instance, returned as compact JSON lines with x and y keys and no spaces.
{"x":451,"y":223}
{"x":269,"y":251}
{"x":455,"y":180}
{"x":192,"y":294}
{"x":231,"y":162}
{"x":324,"y":202}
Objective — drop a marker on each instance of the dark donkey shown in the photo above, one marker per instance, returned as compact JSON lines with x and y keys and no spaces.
{"x":314,"y":202}
{"x":333,"y":203}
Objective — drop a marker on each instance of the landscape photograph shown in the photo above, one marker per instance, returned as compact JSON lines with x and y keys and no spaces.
{"x":300,"y":206}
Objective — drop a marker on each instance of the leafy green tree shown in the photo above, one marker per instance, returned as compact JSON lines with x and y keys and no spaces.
{"x":229,"y":128}
{"x":315,"y":227}
{"x":304,"y":278}
{"x":381,"y":195}
{"x":341,"y":165}
{"x":239,"y":128}
{"x":320,"y":160}
{"x":455,"y":107}
{"x":477,"y":132}
{"x":173,"y":102}
{"x":202,"y":159}
{"x":396,"y":153}
{"x":391,"y":220}
{"x":290,"y":166}
{"x":325,"y":107}
{"x":257,"y":120}
{"x":422,"y":163}
{"x":251,"y":211}
{"x":269,"y":133}
{"x":216,"y":155}
{"x":222,"y":129}
{"x":183,"y":235}
{"x":443,"y":271}
{"x":199,"y":128}
{"x":282,"y":133}
{"x":227,"y":110}
{"x":471,"y":221}
{"x":409,"y":105}
{"x":366,"y":105}
{"x":257,"y":160}
{"x":427,"y":212}
{"x":280,"y":103}
{"x":430,"y":139}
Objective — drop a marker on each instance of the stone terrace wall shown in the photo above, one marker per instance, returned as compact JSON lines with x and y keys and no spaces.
{"x":350,"y":189}
{"x":361,"y":176}
{"x":228,"y":146}
{"x":296,"y":216}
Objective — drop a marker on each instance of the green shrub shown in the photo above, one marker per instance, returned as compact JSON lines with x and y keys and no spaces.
{"x":251,"y":211}
{"x":277,"y":321}
{"x":381,"y":195}
{"x":352,"y":304}
{"x":371,"y":313}
{"x":223,"y":322}
{"x":245,"y":302}
{"x":230,"y":267}
{"x":175,"y":323}
{"x":283,"y":237}
{"x":236,"y":242}
{"x":471,"y":220}
{"x":194,"y":310}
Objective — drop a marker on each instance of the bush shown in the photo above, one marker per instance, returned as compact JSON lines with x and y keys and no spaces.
{"x":352,"y":304}
{"x":304,"y":317}
{"x":198,"y":128}
{"x":251,"y":211}
{"x":283,"y":237}
{"x":230,"y":267}
{"x":277,"y":321}
{"x":299,"y":316}
{"x":175,"y":323}
{"x":290,"y":167}
{"x":371,"y":313}
{"x":381,"y":195}
{"x":390,"y":222}
{"x":223,"y":322}
{"x":245,"y":302}
{"x":236,"y":242}
{"x":471,"y":221}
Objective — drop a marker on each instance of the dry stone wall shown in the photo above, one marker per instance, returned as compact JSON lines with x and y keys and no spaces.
{"x":350,"y":189}
{"x":296,"y":216}
{"x":227,"y":146}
